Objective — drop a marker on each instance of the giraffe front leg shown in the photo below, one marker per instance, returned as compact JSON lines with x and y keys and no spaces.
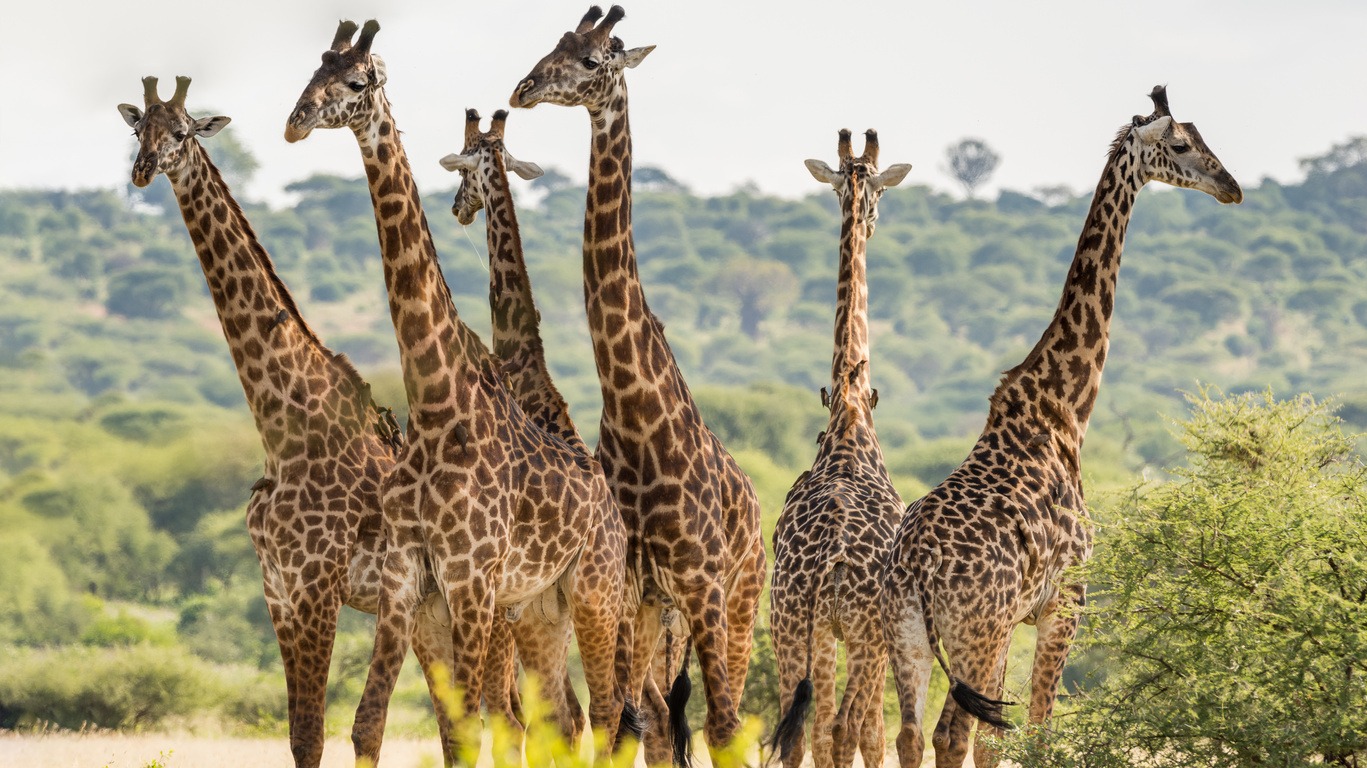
{"x":432,"y":646}
{"x":472,"y":616}
{"x":705,"y":608}
{"x":315,"y":629}
{"x":742,"y":609}
{"x":596,"y":602}
{"x":399,"y":600}
{"x":544,"y":647}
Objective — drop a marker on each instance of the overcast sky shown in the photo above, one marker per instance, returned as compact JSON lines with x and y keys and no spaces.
{"x":737,"y":91}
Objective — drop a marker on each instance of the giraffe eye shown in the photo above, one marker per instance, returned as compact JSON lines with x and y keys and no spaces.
{"x":1181,"y":148}
{"x":356,"y":87}
{"x":590,"y":62}
{"x":178,"y":135}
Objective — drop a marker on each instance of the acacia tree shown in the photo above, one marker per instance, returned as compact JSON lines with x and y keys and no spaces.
{"x":972,"y":162}
{"x":1232,"y":603}
{"x":762,"y":286}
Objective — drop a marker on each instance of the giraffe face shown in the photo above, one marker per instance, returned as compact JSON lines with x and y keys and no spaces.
{"x":483,"y":165}
{"x":164,"y":131}
{"x":585,"y":69}
{"x":859,"y":173}
{"x":344,"y":90}
{"x":1174,"y":153}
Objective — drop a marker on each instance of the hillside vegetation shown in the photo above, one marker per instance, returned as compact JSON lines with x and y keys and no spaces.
{"x":126,"y":450}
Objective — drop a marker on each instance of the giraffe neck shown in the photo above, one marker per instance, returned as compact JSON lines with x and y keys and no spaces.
{"x":516,"y":322}
{"x":439,"y":354}
{"x":852,"y":304}
{"x":1065,"y":365}
{"x":276,"y":353}
{"x":629,"y":344}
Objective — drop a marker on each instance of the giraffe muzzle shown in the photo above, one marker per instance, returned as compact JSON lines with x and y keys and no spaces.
{"x":301,"y":123}
{"x":1228,"y":190}
{"x":522,"y":96}
{"x":144,"y":169}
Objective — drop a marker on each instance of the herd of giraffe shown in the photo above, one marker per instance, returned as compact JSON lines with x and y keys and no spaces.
{"x":488,"y":533}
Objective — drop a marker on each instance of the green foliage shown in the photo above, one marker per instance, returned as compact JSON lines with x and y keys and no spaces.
{"x":135,"y":687}
{"x":1230,"y":602}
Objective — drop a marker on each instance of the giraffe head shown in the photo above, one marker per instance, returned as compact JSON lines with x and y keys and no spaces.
{"x":859,"y":173}
{"x":343,"y":90}
{"x":483,"y":165}
{"x":164,"y":129}
{"x":1174,"y":153}
{"x":584,"y":69}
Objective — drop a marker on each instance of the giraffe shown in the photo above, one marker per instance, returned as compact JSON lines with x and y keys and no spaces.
{"x":988,"y":548}
{"x":505,"y":513}
{"x":483,"y":164}
{"x":692,"y":515}
{"x":837,"y":522}
{"x":314,"y":517}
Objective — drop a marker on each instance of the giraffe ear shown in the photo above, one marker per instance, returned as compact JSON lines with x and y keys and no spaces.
{"x":892,"y":176}
{"x":131,"y":114}
{"x":458,"y":162}
{"x":523,"y":168}
{"x":637,"y":55}
{"x":1151,"y":133}
{"x":822,"y":172}
{"x":208,"y":126}
{"x":378,"y":74}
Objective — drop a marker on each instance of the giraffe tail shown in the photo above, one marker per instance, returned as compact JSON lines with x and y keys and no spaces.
{"x":681,"y":735}
{"x":970,"y":700}
{"x":631,"y":724}
{"x":790,"y":725}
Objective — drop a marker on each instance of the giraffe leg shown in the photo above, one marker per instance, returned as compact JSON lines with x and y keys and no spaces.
{"x":472,"y":616}
{"x":742,"y":608}
{"x":823,"y":697}
{"x":790,"y":654}
{"x":658,"y":744}
{"x":873,"y":741}
{"x":399,"y":600}
{"x":595,"y":607}
{"x":543,"y":643}
{"x":432,"y":645}
{"x":866,"y":667}
{"x":983,"y":755}
{"x":705,"y":607}
{"x":975,"y":661}
{"x":500,"y":674}
{"x":649,"y":677}
{"x":908,"y":646}
{"x":1057,"y":625}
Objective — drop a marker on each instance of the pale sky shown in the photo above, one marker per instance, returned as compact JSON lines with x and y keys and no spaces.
{"x":736,"y":91}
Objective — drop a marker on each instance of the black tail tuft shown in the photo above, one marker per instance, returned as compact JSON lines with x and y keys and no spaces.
{"x":679,"y":731}
{"x":789,"y":729}
{"x":987,"y":710}
{"x":632,"y":724}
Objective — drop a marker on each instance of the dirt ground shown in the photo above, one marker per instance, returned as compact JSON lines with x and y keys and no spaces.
{"x":114,"y":750}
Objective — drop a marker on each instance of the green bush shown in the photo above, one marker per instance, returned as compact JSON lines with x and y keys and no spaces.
{"x":73,"y":687}
{"x":1230,"y":603}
